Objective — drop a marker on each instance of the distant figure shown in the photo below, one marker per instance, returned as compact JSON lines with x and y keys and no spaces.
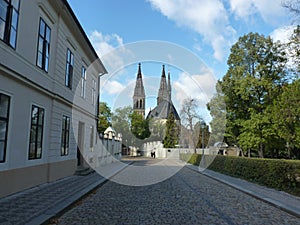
{"x":153,"y":155}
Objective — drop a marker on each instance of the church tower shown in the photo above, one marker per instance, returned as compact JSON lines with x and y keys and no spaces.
{"x":164,"y":100}
{"x":139,"y":94}
{"x":163,"y":93}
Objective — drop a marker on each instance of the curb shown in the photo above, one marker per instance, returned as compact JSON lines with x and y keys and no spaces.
{"x":60,"y":208}
{"x":278,"y":204}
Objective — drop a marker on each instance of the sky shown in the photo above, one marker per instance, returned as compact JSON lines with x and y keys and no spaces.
{"x":191,"y":37}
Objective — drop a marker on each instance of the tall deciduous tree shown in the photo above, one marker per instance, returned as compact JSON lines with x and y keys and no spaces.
{"x":104,"y":117}
{"x":253,"y":80}
{"x":121,"y":121}
{"x":286,"y":113}
{"x":189,"y":117}
{"x":139,"y":126}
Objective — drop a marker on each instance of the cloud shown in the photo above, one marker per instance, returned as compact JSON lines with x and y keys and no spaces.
{"x":271,"y":11}
{"x":112,"y":87}
{"x":108,"y":48}
{"x":283,"y":34}
{"x":104,"y":44}
{"x":200,"y":87}
{"x":208,"y":18}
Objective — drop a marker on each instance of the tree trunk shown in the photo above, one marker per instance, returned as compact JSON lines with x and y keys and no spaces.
{"x":261,"y":150}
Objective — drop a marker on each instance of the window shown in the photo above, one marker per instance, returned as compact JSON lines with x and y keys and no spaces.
{"x":43,"y":49}
{"x":69,"y":69}
{"x":83,"y":82}
{"x":94,"y":92}
{"x":9,"y":14}
{"x":36,"y":133}
{"x":65,"y":134}
{"x":92,"y":138}
{"x":4,"y":113}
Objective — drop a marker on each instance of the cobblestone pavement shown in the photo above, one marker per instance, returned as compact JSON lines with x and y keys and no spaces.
{"x":186,"y":198}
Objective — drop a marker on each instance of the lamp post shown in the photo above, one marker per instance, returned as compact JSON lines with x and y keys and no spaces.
{"x":202,"y":127}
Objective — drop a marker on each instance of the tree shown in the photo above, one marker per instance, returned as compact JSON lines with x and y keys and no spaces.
{"x":286,"y":113}
{"x":293,"y":54}
{"x":157,"y":129}
{"x":189,"y":117}
{"x":206,"y":135}
{"x":139,"y":126}
{"x":172,"y":132}
{"x":253,"y":80}
{"x":217,"y":108}
{"x":294,"y":7}
{"x":121,"y":122}
{"x":104,"y":117}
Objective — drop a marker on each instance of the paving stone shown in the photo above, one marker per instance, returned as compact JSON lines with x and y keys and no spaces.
{"x":186,"y":198}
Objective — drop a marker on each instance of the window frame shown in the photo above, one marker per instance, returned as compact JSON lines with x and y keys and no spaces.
{"x":38,"y":127}
{"x":94,"y":84}
{"x":6,"y":120}
{"x":83,"y":82}
{"x":45,"y":51}
{"x":69,"y":69}
{"x":8,"y":21}
{"x":65,"y":136}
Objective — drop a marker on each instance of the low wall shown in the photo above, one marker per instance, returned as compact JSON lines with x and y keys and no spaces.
{"x":20,"y":179}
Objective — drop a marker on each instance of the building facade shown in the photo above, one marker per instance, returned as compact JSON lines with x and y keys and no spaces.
{"x":48,"y":93}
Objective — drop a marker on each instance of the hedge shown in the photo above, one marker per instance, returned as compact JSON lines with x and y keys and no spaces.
{"x":274,"y":173}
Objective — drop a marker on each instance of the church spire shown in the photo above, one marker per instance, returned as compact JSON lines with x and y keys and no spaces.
{"x":139,"y":93}
{"x":169,"y":88}
{"x":163,"y":89}
{"x":139,"y":74}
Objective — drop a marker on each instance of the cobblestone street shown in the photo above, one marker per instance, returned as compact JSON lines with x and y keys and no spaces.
{"x":186,"y":198}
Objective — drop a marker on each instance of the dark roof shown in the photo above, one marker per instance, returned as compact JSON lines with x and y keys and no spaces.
{"x":163,"y":110}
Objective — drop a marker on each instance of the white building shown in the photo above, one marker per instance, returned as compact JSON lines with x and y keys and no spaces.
{"x":44,"y":56}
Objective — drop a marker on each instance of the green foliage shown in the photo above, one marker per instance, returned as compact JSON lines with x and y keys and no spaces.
{"x":193,"y":159}
{"x":172,"y":132}
{"x":275,"y":173}
{"x":139,"y":126}
{"x":259,"y":97}
{"x":286,"y":114}
{"x":217,"y":108}
{"x":121,"y":123}
{"x":104,"y":117}
{"x":206,"y":135}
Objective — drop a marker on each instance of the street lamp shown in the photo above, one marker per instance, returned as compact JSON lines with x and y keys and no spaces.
{"x":202,"y":127}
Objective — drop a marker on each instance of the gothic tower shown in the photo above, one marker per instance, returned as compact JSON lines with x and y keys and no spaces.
{"x":164,"y":100}
{"x":163,"y":93}
{"x":139,"y":94}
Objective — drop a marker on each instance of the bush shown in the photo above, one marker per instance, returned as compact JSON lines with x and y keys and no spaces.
{"x":191,"y":158}
{"x":274,"y":173}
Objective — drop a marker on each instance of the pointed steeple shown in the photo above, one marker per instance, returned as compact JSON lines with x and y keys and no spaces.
{"x":139,"y":74}
{"x":169,"y":88}
{"x":163,"y":89}
{"x":139,"y":93}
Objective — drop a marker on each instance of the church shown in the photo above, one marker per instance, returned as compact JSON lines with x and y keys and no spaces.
{"x":158,"y":115}
{"x":164,"y":104}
